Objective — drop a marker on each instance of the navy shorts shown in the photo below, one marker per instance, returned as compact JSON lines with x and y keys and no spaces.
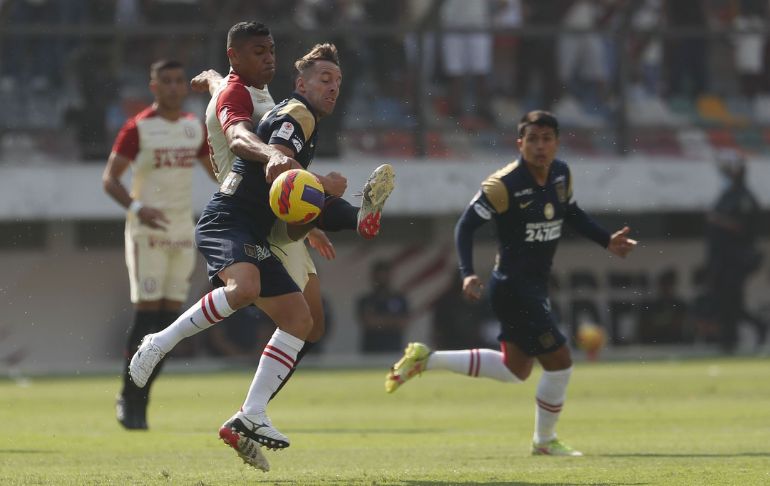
{"x":228,"y":235}
{"x":525,"y":317}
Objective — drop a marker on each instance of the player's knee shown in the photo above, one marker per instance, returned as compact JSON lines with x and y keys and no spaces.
{"x":520,"y":373}
{"x":318,"y":329}
{"x":241,"y":294}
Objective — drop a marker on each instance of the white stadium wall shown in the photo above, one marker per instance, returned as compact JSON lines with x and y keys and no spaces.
{"x":66,"y":308}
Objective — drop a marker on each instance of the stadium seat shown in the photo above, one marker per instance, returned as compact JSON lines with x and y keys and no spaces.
{"x":714,"y":110}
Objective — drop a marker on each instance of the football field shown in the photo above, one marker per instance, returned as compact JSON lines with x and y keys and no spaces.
{"x":689,"y":422}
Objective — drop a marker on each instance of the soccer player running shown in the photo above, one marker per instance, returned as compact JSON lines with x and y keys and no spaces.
{"x":233,"y":236}
{"x":528,"y":199}
{"x":161,"y":143}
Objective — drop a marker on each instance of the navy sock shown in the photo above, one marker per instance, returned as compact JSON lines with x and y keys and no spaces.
{"x":337,"y":215}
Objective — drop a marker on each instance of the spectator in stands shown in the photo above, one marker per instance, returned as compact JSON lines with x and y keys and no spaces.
{"x":467,"y":55}
{"x":749,"y":45}
{"x":536,"y":56}
{"x":507,"y":14}
{"x":383,"y":313}
{"x":687,"y":56}
{"x":731,"y":252}
{"x":663,"y":320}
{"x":647,"y":48}
{"x":583,"y":64}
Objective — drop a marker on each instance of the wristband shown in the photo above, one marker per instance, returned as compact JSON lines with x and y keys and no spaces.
{"x":135,"y":207}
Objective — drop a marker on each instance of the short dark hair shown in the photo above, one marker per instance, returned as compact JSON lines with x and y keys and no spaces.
{"x":319,"y":52}
{"x":162,"y":65}
{"x":244,"y":30}
{"x":540,"y":118}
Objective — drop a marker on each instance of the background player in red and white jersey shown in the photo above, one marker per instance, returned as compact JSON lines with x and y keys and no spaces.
{"x":162,"y":144}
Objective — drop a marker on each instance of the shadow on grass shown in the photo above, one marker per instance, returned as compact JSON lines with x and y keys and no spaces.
{"x":407,"y":482}
{"x":684,"y":454}
{"x":366,"y":431}
{"x":502,"y":483}
{"x":26,"y":451}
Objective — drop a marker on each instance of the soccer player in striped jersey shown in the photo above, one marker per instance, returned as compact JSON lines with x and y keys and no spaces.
{"x":529,"y":199}
{"x":162,"y":145}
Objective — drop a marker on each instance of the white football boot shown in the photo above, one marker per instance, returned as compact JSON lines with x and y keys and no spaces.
{"x":144,"y":361}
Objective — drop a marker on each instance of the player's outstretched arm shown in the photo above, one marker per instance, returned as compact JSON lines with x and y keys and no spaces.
{"x":244,"y":143}
{"x":206,"y":81}
{"x":620,"y":244}
{"x":466,"y":227}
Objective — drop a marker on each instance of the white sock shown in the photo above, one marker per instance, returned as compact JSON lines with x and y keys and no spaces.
{"x":276,"y":361}
{"x":551,"y":392}
{"x":473,"y":362}
{"x":212,"y":308}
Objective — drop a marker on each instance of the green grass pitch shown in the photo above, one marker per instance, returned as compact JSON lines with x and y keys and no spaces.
{"x":689,"y":423}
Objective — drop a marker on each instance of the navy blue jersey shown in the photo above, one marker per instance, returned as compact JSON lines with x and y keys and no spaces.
{"x":291,"y":123}
{"x":235,"y":225}
{"x":529,"y":220}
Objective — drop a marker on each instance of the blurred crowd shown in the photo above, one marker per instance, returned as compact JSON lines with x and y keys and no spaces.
{"x":477,"y":65}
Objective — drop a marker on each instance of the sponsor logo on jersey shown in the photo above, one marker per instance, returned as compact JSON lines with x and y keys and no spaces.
{"x":543,"y":231}
{"x":548,"y":211}
{"x":523,"y":192}
{"x":297,"y":145}
{"x":525,"y":204}
{"x":285,"y":131}
{"x":484,"y":211}
{"x":168,"y":158}
{"x":189,"y":132}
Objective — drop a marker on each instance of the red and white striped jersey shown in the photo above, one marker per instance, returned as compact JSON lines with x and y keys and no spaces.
{"x":233,"y":101}
{"x":163,"y":154}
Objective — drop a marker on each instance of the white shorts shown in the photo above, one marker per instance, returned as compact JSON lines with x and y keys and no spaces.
{"x":159,"y":263}
{"x":467,"y":54}
{"x":293,"y":254}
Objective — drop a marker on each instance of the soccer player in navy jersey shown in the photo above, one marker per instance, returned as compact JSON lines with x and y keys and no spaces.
{"x":234,"y":235}
{"x":529,"y":200}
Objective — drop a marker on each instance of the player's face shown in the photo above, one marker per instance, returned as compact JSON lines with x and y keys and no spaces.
{"x":320,"y":85}
{"x":538,"y":145}
{"x":169,"y":88}
{"x":254,"y":60}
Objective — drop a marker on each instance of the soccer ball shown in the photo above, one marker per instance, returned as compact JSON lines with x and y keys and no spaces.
{"x":296,"y":196}
{"x":590,"y":338}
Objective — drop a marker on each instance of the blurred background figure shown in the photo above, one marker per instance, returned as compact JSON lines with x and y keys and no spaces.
{"x":663,"y":319}
{"x":459,"y":323}
{"x":467,"y":58}
{"x":731,"y":254}
{"x":162,"y":145}
{"x":383,"y":313}
{"x":241,"y":336}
